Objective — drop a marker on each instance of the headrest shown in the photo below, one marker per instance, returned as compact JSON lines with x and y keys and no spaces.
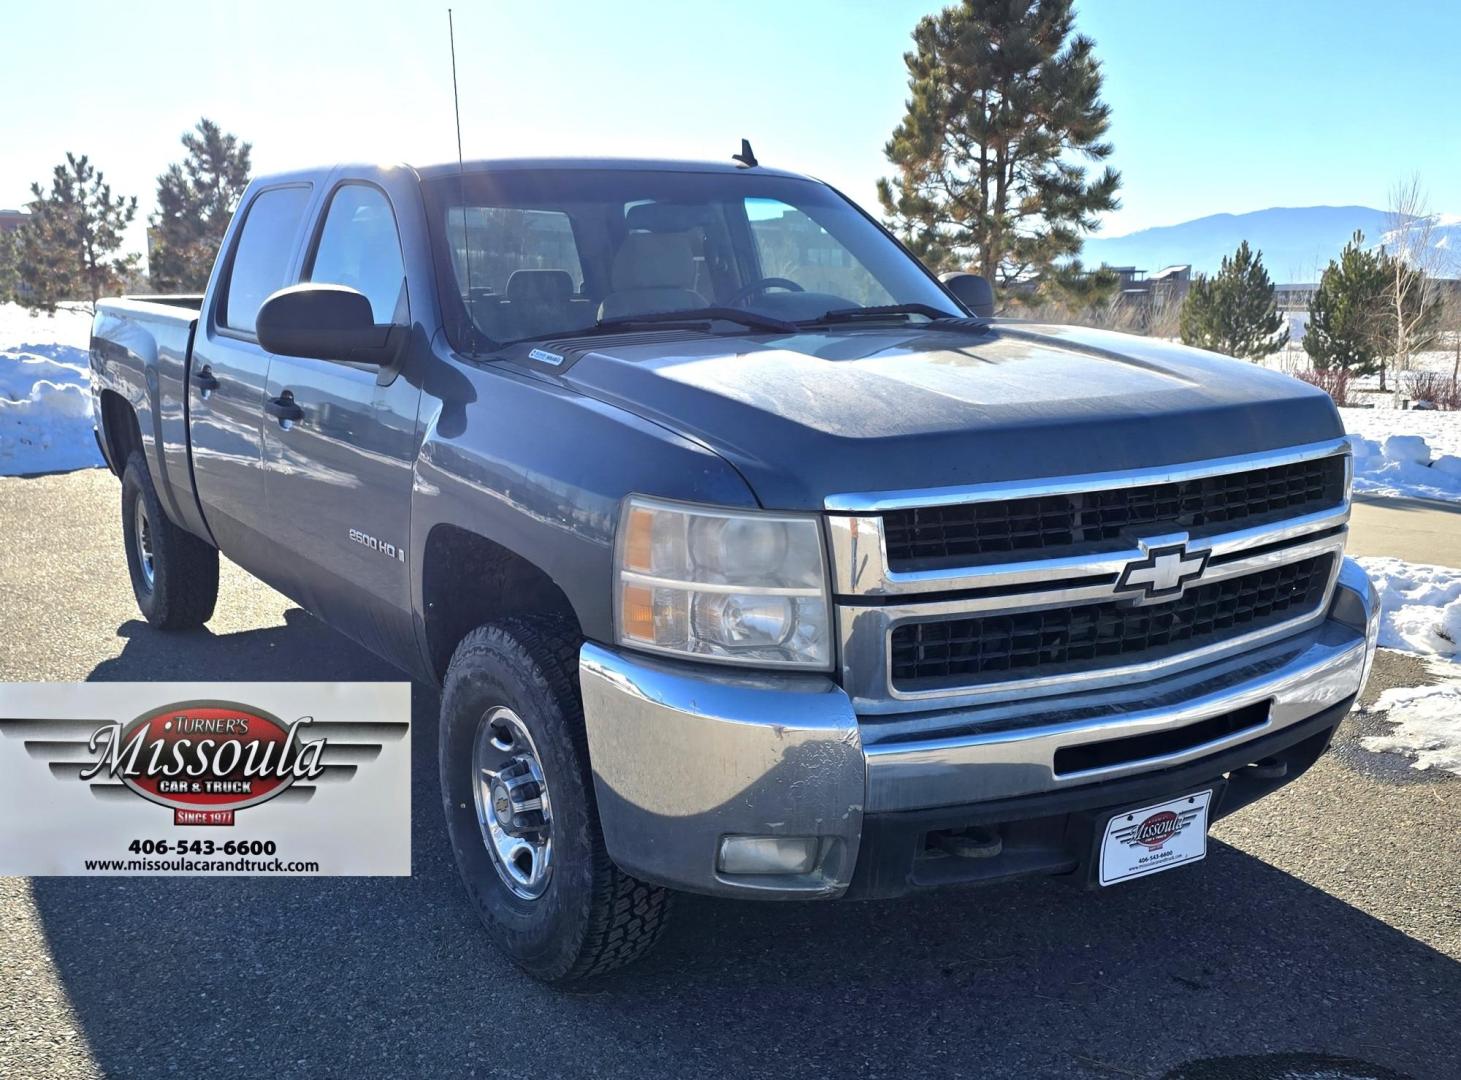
{"x":663,"y":217}
{"x":654,"y":261}
{"x":543,"y":286}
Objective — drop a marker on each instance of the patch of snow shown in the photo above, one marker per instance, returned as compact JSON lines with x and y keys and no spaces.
{"x":1405,"y":453}
{"x":1420,"y":611}
{"x":1298,"y":324}
{"x":1406,"y":450}
{"x":1420,"y":605}
{"x":45,"y":392}
{"x":1426,"y":719}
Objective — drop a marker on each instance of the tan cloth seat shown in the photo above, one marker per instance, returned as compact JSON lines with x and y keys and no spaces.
{"x":652,"y":272}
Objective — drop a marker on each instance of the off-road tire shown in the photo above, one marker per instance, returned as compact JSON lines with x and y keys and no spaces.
{"x":592,"y":917}
{"x":184,"y":587}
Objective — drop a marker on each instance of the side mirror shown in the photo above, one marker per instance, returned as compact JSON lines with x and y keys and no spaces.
{"x":971,"y":290}
{"x":327,"y":322}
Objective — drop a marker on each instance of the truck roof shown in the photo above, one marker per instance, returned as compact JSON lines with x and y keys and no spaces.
{"x":485,"y":165}
{"x":627,"y":164}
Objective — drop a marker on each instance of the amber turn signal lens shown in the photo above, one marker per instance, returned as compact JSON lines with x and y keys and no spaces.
{"x":637,"y":612}
{"x":639,"y":541}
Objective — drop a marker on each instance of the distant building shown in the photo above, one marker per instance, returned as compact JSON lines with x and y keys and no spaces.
{"x":1147,"y":295}
{"x":1297,"y":297}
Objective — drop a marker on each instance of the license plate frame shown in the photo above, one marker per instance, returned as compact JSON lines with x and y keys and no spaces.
{"x":1148,"y":839}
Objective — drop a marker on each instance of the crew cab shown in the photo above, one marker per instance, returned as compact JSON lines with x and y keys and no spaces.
{"x":752,"y":558}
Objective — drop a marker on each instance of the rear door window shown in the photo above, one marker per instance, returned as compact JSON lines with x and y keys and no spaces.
{"x":262,"y":256}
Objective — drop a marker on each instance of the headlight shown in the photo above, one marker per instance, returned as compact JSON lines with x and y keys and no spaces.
{"x":734,"y":586}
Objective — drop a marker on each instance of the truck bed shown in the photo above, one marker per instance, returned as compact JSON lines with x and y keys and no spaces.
{"x":140,"y":350}
{"x":189,"y":301}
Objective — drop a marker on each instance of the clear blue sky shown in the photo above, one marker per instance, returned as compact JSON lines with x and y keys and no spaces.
{"x":1218,"y":107}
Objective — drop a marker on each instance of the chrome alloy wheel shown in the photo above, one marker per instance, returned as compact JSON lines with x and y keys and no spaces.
{"x":513,"y":810}
{"x":143,"y":529}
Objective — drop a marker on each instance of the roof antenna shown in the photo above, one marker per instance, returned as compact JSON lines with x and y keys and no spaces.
{"x":746,"y":157}
{"x":461,"y":169}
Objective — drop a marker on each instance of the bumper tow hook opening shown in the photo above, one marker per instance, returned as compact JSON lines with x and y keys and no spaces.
{"x":975,"y":842}
{"x":1268,"y":769}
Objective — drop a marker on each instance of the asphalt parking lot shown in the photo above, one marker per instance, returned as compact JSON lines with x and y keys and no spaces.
{"x":1325,"y":920}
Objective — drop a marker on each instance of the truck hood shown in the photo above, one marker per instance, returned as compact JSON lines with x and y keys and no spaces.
{"x":807,"y":416}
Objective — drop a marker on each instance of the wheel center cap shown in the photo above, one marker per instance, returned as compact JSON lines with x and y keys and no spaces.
{"x":501,"y":805}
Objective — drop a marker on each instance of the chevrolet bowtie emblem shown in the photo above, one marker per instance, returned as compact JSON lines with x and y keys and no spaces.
{"x":1165,"y":570}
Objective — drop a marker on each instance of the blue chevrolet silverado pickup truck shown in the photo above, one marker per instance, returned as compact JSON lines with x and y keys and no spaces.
{"x":752,"y":559}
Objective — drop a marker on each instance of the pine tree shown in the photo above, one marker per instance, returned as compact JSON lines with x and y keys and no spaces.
{"x":1346,"y":326}
{"x":195,"y":200}
{"x":9,"y":277}
{"x":1005,"y":103}
{"x":68,"y":246}
{"x":1075,"y":291}
{"x":1234,"y":312}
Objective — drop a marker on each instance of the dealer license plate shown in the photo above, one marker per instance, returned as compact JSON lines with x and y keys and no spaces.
{"x":1154,"y":838}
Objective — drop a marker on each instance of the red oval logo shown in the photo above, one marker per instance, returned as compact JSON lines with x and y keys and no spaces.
{"x":212,"y":755}
{"x":1156,"y":830}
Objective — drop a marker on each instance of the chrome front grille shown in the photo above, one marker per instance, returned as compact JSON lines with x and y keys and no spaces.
{"x":1063,"y":524}
{"x":974,"y":624}
{"x":1007,"y":645}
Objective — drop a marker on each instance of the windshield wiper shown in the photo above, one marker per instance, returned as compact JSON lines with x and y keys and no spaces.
{"x":689,"y":317}
{"x":852,"y":314}
{"x":699,"y":315}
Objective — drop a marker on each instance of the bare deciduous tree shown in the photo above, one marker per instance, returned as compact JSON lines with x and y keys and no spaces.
{"x":1415,"y":263}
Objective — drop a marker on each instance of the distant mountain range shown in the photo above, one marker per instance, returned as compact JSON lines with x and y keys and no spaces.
{"x":1297,"y":242}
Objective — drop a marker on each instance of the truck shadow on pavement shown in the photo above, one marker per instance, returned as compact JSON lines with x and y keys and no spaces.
{"x":355,"y":977}
{"x":303,"y":649}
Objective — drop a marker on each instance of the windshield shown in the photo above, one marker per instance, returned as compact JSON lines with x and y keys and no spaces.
{"x":536,"y":254}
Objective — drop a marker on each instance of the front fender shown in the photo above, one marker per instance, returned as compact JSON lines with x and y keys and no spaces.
{"x":540,"y":470}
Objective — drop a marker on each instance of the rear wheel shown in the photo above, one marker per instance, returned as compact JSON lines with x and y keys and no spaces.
{"x":174,"y":574}
{"x":520,"y":808}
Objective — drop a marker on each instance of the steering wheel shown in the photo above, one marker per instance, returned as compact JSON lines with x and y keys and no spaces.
{"x":745,"y":292}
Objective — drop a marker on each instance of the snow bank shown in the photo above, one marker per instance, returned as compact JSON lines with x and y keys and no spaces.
{"x":1420,"y":611}
{"x":1406,"y":453}
{"x":1420,"y":606}
{"x":1427,"y":721}
{"x":45,"y":396}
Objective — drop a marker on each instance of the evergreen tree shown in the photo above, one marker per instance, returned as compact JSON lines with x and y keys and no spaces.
{"x":1005,"y":103}
{"x":68,"y":247}
{"x":1347,"y":316}
{"x":1072,"y":289}
{"x":195,"y":200}
{"x":9,"y":253}
{"x":1234,"y":312}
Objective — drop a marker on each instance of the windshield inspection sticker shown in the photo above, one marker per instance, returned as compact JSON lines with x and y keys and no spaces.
{"x":205,"y":778}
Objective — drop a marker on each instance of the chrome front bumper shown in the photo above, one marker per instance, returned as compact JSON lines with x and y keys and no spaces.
{"x":684,"y":755}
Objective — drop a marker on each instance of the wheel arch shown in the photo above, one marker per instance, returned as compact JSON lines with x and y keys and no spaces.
{"x":121,"y":430}
{"x":468,"y":579}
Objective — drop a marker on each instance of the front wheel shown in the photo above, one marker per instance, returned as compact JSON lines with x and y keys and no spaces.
{"x":174,"y":574}
{"x":521,"y":813}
